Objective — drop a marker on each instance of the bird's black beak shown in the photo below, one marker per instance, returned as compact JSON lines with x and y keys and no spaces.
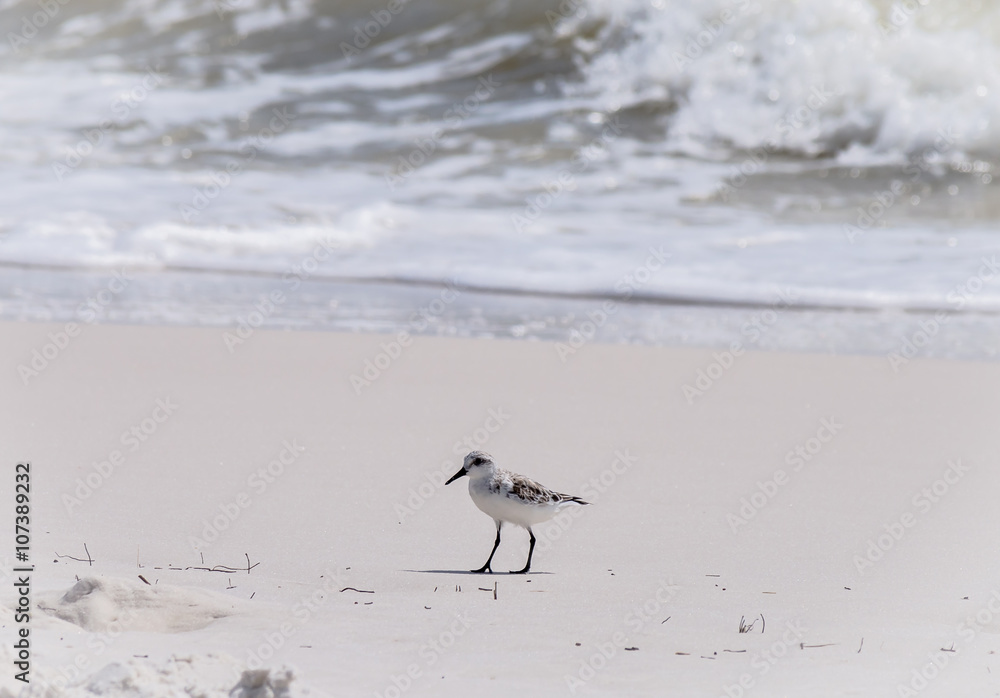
{"x":457,"y":475}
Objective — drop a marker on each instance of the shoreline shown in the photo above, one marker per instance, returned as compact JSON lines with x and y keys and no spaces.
{"x":251,"y":303}
{"x":628,"y":291}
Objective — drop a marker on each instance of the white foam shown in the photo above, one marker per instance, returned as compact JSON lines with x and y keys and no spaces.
{"x":324,"y":178}
{"x":816,"y":76}
{"x":209,"y":675}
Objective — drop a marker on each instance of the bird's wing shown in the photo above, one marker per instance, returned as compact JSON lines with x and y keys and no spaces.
{"x":528,"y":490}
{"x":569,"y":498}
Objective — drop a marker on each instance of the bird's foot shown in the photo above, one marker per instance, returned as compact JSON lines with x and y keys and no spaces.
{"x":524,"y":571}
{"x":485,"y":569}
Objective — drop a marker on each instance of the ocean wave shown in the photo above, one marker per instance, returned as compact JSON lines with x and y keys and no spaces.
{"x":531,"y":148}
{"x":374,"y":246}
{"x":863,"y":81}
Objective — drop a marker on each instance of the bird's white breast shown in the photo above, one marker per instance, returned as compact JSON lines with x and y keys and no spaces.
{"x":508,"y":508}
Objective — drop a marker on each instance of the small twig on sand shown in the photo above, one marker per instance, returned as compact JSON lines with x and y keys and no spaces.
{"x":144,"y":579}
{"x":360,"y":591}
{"x":804,"y":646}
{"x":217,"y":568}
{"x":861,"y":645}
{"x":89,"y":560}
{"x":221,"y":568}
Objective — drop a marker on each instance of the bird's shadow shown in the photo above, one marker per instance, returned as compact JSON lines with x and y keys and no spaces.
{"x":478,"y":574}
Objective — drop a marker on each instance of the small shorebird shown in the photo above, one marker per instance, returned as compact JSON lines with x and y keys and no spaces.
{"x":507,"y":496}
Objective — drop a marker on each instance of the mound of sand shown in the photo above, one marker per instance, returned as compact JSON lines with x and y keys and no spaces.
{"x":109,"y":604}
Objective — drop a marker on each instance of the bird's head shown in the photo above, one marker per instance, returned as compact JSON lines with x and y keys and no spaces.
{"x":475,"y":463}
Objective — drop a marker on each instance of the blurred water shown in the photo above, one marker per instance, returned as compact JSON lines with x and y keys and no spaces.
{"x":837,"y":155}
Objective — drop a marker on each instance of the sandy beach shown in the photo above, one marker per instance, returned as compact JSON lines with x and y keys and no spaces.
{"x":725,"y":270}
{"x":843,"y":510}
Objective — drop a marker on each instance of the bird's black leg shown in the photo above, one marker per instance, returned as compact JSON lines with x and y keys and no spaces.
{"x":531,"y":549}
{"x":496,"y":544}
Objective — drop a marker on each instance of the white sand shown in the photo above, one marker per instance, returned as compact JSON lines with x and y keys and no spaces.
{"x":354,"y":505}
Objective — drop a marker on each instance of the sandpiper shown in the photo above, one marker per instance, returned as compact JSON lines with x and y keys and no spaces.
{"x":507,"y":496}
